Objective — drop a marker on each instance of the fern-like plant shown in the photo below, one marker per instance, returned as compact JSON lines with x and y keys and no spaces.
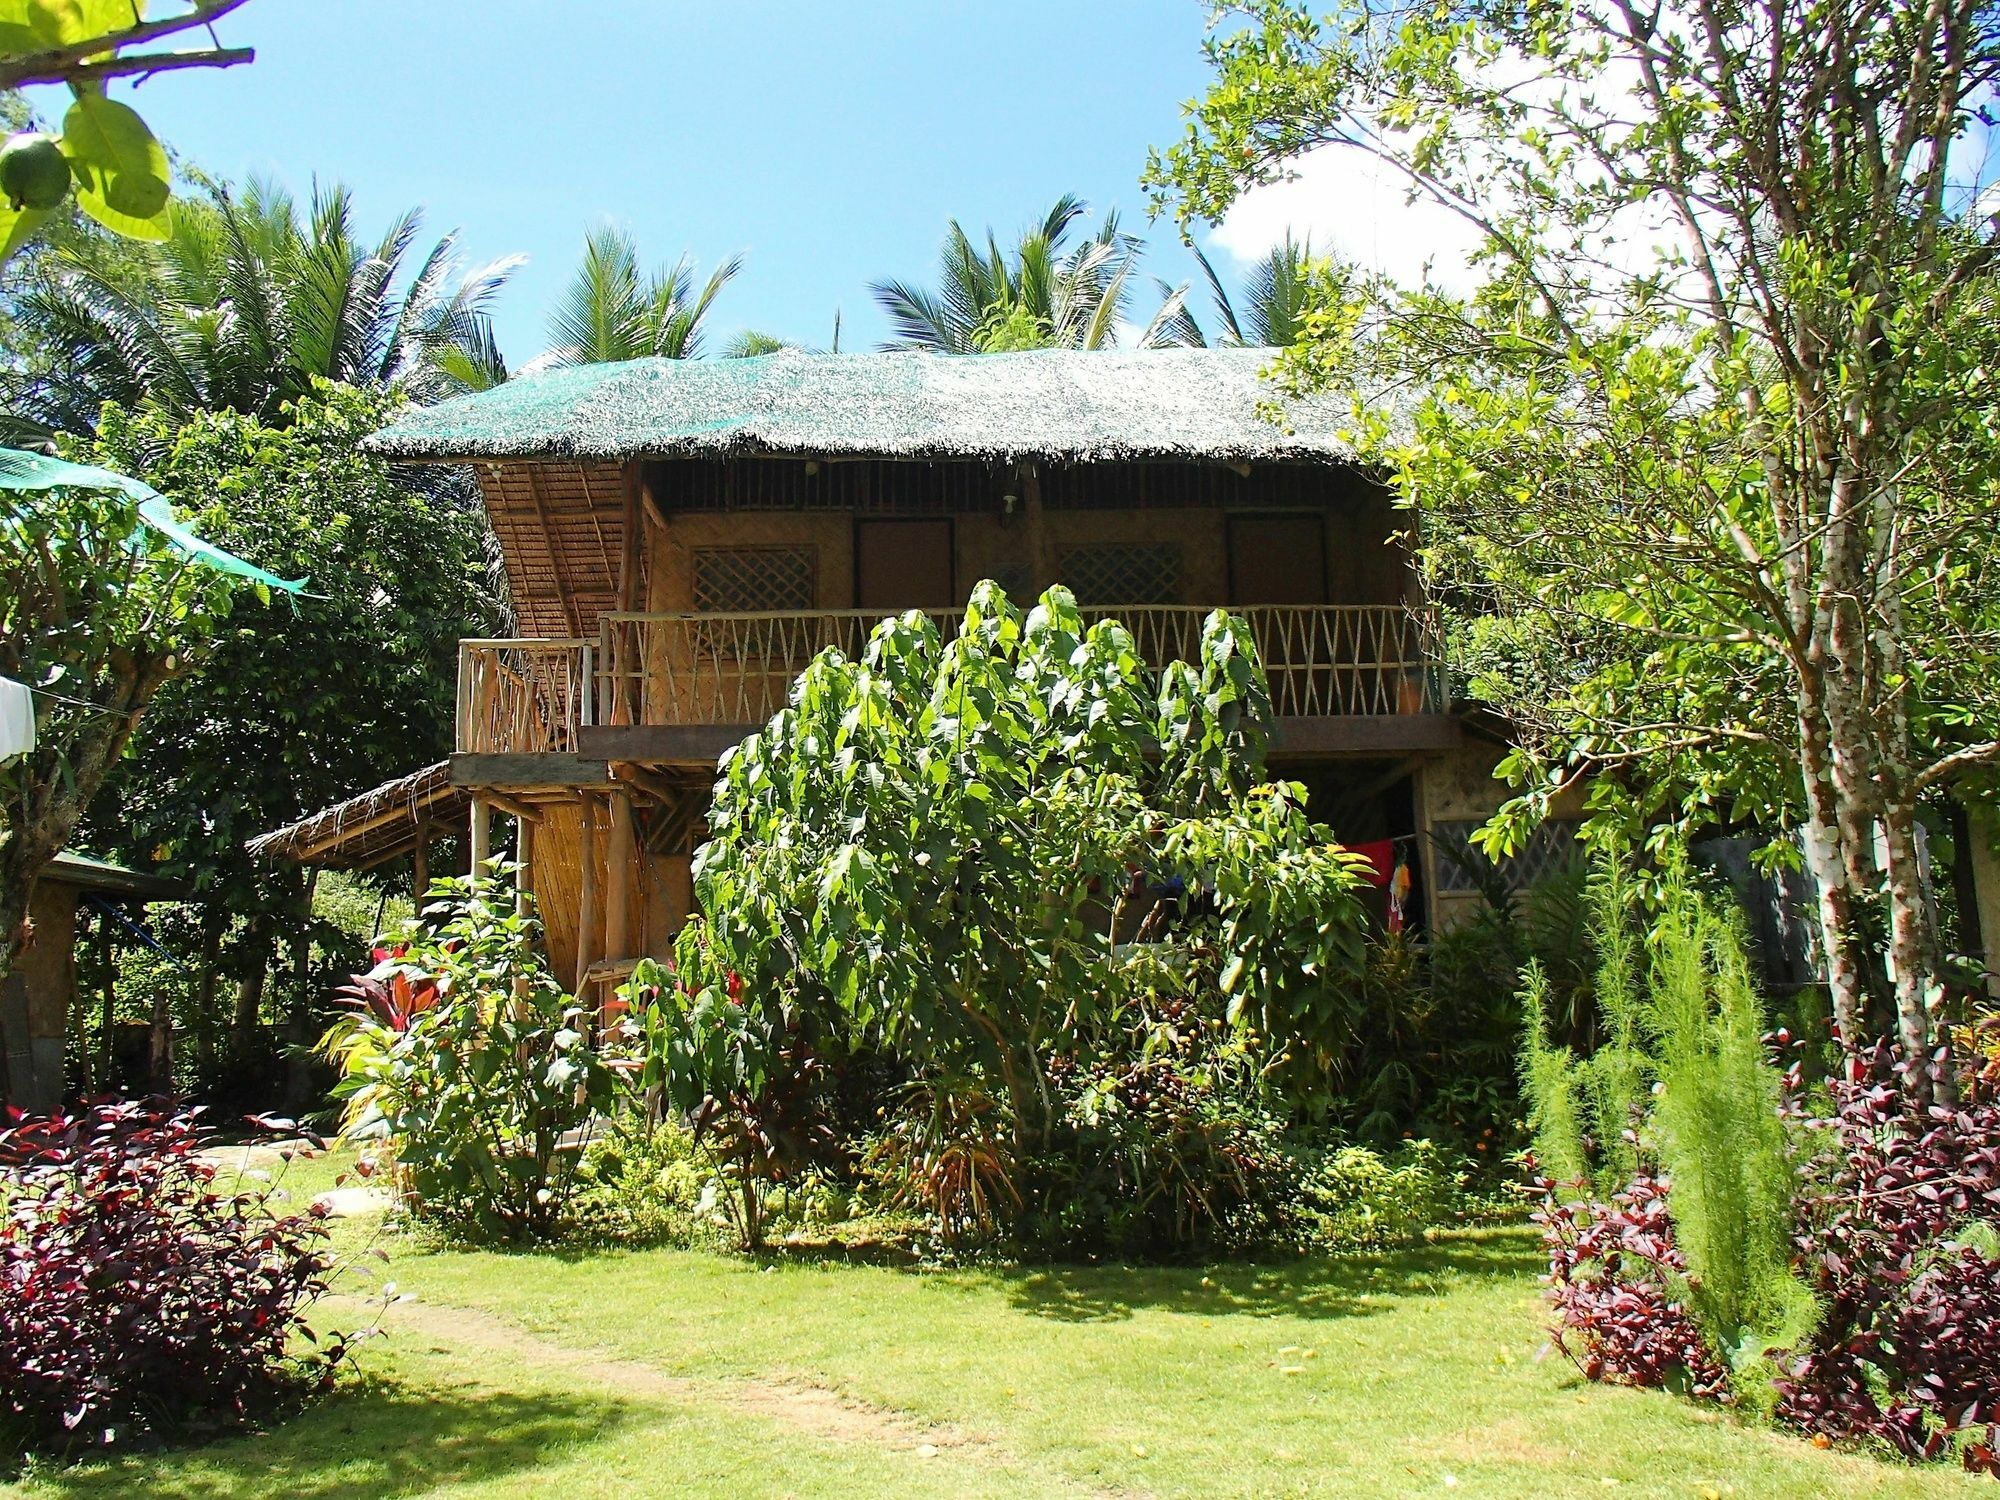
{"x":1720,"y":1135}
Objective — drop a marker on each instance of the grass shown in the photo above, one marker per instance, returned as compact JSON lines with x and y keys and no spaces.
{"x":666,"y":1372}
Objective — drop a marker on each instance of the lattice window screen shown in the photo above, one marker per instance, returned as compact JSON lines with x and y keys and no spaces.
{"x":1549,"y":849}
{"x":1124,"y":573}
{"x":740,"y":580}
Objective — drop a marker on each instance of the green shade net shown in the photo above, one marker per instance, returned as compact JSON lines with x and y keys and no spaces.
{"x":33,"y":471}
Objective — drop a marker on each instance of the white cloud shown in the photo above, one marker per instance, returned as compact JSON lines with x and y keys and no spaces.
{"x":1356,"y":208}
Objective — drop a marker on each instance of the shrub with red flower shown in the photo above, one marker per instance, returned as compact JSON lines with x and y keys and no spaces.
{"x":135,"y":1298}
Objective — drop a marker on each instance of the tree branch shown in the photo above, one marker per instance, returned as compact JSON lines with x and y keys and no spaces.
{"x":73,"y":59}
{"x":1959,"y":761}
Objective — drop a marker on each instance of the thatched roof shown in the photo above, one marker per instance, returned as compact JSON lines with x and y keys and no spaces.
{"x":378,"y":825}
{"x":1054,"y":404}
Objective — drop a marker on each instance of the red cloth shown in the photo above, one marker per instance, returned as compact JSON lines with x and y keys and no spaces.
{"x":1381,"y":859}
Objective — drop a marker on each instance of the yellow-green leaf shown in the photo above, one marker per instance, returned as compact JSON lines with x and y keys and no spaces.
{"x":17,"y":225}
{"x":122,"y":177}
{"x":59,"y":23}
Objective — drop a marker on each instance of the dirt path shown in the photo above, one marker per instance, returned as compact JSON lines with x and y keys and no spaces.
{"x":810,"y":1409}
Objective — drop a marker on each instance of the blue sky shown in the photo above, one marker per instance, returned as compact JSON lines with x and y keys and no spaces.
{"x":829,"y":142}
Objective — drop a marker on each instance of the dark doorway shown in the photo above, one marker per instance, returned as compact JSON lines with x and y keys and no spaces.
{"x":1277,"y":559}
{"x":904,"y":564}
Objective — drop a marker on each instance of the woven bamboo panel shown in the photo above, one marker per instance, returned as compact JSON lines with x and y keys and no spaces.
{"x":736,"y":580}
{"x":1552,"y":847}
{"x":1123,"y":572}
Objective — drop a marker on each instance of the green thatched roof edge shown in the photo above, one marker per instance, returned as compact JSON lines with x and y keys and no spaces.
{"x":1200,"y":404}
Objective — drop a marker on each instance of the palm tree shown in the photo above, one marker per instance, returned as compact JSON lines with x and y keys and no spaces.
{"x":1275,"y":294}
{"x":612,"y":312}
{"x":244,"y":304}
{"x":1042,"y":295}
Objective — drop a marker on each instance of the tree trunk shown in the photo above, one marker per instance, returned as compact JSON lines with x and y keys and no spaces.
{"x":1827,"y":864}
{"x":160,"y":1050}
{"x":107,"y":978}
{"x":250,"y":990}
{"x":204,"y":1017}
{"x":1913,"y":957}
{"x":298,"y":1059}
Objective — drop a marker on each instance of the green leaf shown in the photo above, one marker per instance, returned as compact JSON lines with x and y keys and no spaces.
{"x":122,"y":176}
{"x":58,"y":23}
{"x":18,"y":226}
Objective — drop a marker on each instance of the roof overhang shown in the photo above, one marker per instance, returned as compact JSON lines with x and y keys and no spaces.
{"x":373,"y":828}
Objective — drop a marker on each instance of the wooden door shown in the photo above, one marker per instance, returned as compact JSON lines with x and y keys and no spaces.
{"x":1281,"y":559}
{"x":904,"y":564}
{"x":1277,"y":559}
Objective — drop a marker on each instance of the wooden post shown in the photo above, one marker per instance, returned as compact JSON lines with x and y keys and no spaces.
{"x":482,"y":837}
{"x":619,"y":860}
{"x":1039,"y":561}
{"x":586,"y":906}
{"x":524,"y":865}
{"x":420,"y":863}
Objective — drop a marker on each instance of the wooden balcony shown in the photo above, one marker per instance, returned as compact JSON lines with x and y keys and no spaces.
{"x":679,"y":688}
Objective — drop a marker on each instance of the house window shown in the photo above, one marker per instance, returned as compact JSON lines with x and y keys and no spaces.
{"x":748,"y":580}
{"x":1135,"y":573}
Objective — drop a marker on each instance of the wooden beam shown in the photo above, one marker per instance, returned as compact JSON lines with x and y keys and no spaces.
{"x":518,"y":773}
{"x":686,"y":746}
{"x":521,"y":812}
{"x":666,"y":792}
{"x":590,"y":510}
{"x":1338,"y":736}
{"x":420,"y":867}
{"x":586,"y":906}
{"x":620,"y":864}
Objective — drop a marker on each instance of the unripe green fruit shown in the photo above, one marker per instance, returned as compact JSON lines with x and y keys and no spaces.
{"x":33,"y":171}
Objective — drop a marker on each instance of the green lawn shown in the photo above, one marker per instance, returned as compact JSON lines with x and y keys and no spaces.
{"x":675,"y":1373}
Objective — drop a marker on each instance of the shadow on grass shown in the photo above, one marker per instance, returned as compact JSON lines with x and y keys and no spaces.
{"x":1321,"y":1287}
{"x":379,"y":1438}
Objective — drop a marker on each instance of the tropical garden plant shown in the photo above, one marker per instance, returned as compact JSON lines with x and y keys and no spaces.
{"x":462,"y":1054}
{"x":612,"y":311}
{"x":1009,"y":859}
{"x":138,"y":1300}
{"x":246,"y":302}
{"x":1044,"y":293}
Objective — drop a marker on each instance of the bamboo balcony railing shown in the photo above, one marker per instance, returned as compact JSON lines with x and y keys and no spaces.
{"x":522,"y":696}
{"x":737,"y":669}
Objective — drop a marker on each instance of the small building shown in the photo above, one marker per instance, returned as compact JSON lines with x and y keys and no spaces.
{"x":38,"y":997}
{"x":681,"y":537}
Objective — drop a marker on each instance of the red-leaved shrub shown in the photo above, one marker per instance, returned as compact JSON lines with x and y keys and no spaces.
{"x":1898,"y":1213}
{"x":135,"y":1298}
{"x":1612,"y":1270}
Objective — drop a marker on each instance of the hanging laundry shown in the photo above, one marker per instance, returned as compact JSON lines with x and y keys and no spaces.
{"x":1400,"y":882}
{"x":17,"y":719}
{"x":1381,"y":857}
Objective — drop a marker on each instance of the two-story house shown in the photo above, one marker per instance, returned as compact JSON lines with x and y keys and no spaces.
{"x":682,"y":536}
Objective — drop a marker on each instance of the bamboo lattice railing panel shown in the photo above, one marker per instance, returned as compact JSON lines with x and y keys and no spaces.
{"x":520,"y":696}
{"x":738,"y":668}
